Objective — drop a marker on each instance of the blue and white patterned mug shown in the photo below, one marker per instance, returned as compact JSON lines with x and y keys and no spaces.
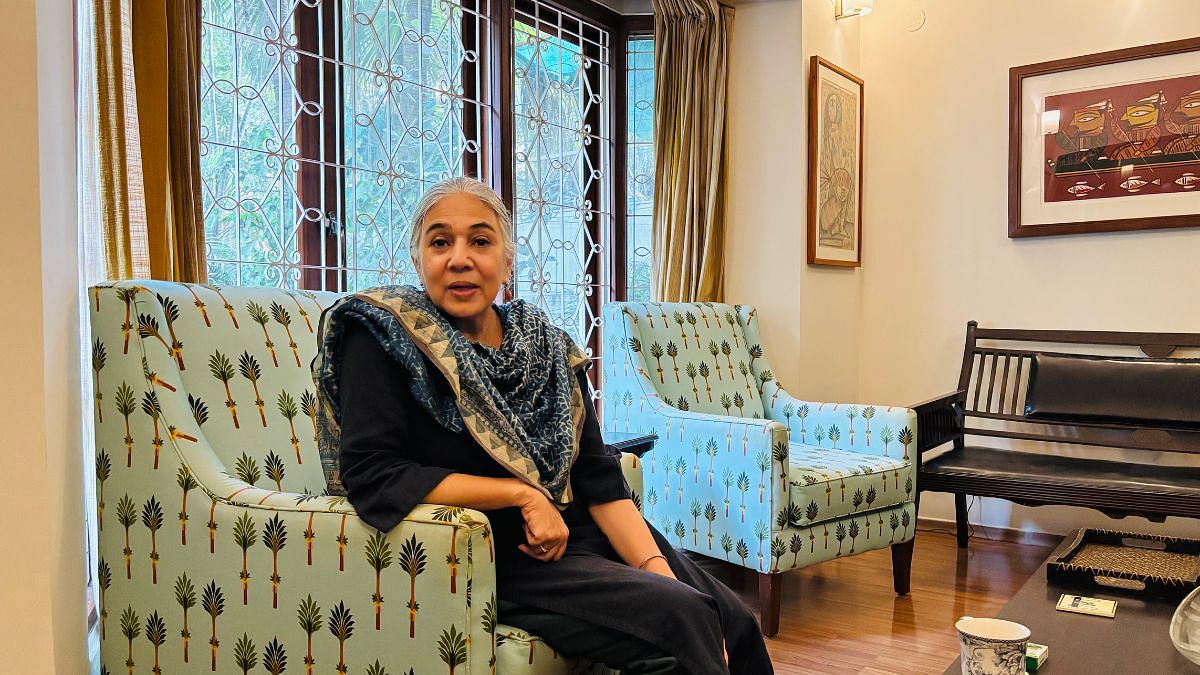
{"x":992,"y":646}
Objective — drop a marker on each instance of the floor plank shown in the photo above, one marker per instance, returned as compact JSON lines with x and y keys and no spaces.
{"x":843,"y":616}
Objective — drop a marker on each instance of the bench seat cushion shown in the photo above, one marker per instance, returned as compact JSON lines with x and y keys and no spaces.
{"x":1123,"y":487}
{"x":826,"y":483}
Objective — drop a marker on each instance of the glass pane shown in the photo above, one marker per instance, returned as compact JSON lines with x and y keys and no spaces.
{"x":247,"y":129}
{"x":561,"y":165}
{"x":639,"y":178}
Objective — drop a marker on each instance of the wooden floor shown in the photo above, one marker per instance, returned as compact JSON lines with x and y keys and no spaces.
{"x":843,"y":616}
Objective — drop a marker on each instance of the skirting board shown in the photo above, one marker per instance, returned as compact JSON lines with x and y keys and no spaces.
{"x":998,"y":533}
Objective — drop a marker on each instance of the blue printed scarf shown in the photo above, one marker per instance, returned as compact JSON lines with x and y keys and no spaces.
{"x":521,"y":402}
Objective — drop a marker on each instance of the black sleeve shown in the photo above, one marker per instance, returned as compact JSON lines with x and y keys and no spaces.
{"x":596,"y":476}
{"x":376,"y":463}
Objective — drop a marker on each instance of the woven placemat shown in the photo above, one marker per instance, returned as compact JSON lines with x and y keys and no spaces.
{"x":1137,"y":561}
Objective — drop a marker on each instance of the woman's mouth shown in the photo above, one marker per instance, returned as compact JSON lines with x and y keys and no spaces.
{"x":463,"y":290}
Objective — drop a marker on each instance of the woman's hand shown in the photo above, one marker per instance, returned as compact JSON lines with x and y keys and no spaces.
{"x":545,"y":532}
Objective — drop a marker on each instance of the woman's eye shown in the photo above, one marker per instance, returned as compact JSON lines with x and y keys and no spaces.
{"x":482,"y":241}
{"x":438,"y":243}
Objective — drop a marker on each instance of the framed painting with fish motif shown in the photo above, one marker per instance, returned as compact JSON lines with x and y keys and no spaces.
{"x":835,"y":166}
{"x":1106,"y":142}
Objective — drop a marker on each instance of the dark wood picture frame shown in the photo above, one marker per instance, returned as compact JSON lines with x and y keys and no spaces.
{"x":814,"y":179}
{"x":1016,"y":78}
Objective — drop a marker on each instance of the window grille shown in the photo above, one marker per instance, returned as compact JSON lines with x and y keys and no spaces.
{"x":562,"y":155}
{"x":322,"y":123}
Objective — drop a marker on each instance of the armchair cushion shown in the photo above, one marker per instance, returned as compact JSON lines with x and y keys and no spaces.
{"x":826,"y":483}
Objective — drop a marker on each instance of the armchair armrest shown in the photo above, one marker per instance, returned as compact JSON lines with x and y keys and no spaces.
{"x":404,"y":595}
{"x":869,"y":429}
{"x":734,"y":466}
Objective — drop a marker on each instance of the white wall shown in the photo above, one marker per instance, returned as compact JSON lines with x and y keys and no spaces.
{"x":42,"y":625}
{"x":810,"y":315}
{"x":937,"y":166}
{"x":935,"y":246}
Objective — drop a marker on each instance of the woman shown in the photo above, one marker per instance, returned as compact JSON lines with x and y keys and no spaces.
{"x":438,"y":396}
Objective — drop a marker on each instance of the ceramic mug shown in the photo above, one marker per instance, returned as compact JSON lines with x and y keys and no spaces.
{"x":992,"y":646}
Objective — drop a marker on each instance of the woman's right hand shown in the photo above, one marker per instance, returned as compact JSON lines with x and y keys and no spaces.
{"x":545,"y":532}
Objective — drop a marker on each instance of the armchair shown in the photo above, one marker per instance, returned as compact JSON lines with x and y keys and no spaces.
{"x":743,"y":471}
{"x":217,"y":550}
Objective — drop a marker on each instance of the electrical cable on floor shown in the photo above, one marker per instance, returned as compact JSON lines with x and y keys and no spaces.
{"x":937,"y":530}
{"x":970,"y":526}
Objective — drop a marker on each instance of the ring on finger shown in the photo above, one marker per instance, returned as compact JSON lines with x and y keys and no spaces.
{"x":543,"y":549}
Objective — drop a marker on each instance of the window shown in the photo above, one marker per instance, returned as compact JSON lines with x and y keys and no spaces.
{"x":322,"y":125}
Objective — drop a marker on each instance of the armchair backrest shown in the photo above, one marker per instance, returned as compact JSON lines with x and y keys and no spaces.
{"x":238,"y":356}
{"x":696,"y":355}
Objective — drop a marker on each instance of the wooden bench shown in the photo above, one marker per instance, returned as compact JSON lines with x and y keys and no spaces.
{"x":1019,"y":387}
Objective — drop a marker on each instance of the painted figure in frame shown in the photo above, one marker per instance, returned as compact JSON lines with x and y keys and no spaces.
{"x":838,"y":149}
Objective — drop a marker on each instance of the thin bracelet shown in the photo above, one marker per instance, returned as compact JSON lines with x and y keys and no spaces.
{"x":642,"y":565}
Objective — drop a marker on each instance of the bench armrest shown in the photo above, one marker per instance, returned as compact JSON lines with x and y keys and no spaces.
{"x":940,"y":420}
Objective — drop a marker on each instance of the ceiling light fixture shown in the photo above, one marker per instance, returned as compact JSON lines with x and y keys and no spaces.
{"x":844,"y":9}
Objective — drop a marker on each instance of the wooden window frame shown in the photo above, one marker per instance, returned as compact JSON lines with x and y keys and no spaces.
{"x":320,"y":180}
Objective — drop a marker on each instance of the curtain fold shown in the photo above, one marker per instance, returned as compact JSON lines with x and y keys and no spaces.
{"x":148,"y":90}
{"x":691,"y":63}
{"x":121,"y":205}
{"x":186,"y":227}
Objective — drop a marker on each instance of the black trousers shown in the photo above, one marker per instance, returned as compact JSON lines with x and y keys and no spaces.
{"x":592,"y":605}
{"x":579,"y":639}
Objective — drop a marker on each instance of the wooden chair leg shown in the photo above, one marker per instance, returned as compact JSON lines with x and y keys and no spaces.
{"x":902,"y":565}
{"x":960,"y":518}
{"x":770,"y":587}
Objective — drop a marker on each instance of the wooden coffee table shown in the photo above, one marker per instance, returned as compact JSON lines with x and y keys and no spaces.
{"x":1135,"y":641}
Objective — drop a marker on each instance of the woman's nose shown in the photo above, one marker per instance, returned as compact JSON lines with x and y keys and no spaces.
{"x":460,"y":256}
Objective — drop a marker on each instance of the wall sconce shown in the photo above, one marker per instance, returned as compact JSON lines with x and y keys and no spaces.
{"x":844,"y":9}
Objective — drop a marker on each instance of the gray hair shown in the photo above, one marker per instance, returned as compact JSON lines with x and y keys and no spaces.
{"x":460,"y":185}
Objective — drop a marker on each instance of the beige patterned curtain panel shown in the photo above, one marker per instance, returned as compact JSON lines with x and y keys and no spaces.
{"x":147,"y":65}
{"x":691,"y":64}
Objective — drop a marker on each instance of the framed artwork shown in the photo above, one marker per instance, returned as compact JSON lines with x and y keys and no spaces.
{"x":1106,"y":142}
{"x":835,"y":165}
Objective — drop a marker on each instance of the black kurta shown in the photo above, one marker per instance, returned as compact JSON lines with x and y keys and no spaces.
{"x":394,"y":453}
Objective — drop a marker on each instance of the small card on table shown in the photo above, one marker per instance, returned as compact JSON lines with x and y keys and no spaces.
{"x":1085,"y":605}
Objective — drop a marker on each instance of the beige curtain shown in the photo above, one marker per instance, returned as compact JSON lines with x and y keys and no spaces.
{"x":691,"y":56}
{"x":121,"y":204}
{"x":148,"y":74}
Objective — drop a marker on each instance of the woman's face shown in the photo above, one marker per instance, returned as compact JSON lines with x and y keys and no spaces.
{"x":463,"y":256}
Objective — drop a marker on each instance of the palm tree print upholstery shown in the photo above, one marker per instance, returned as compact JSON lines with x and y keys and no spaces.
{"x":218,"y":551}
{"x":743,"y":471}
